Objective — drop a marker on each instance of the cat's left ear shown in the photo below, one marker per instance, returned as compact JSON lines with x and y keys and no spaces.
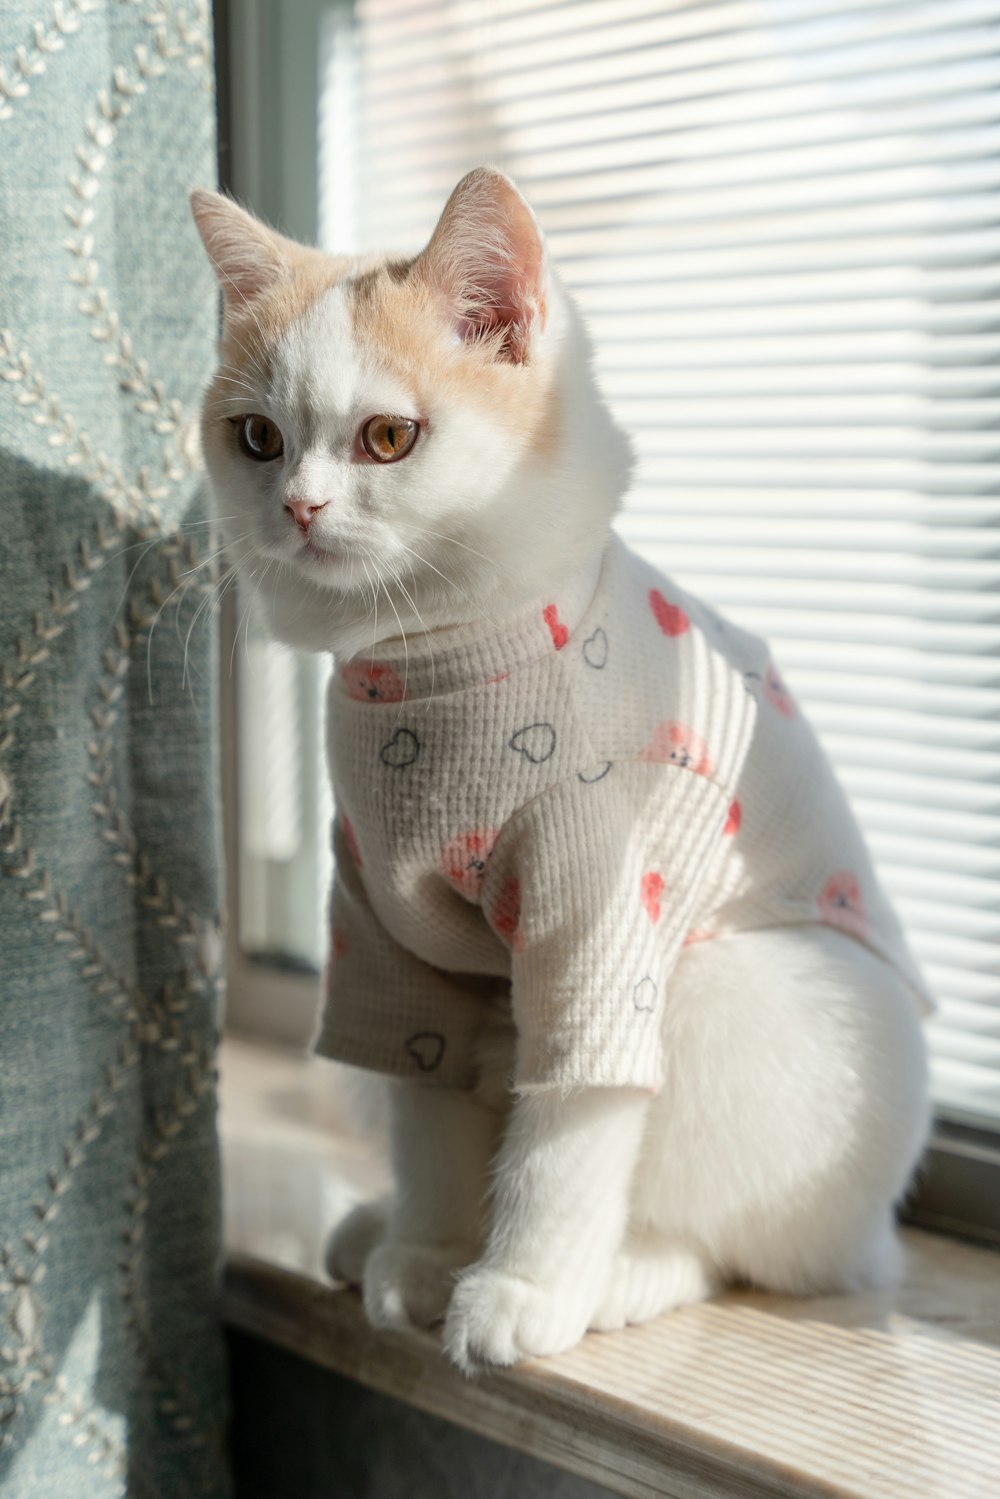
{"x":248,"y":256}
{"x":487,"y":257}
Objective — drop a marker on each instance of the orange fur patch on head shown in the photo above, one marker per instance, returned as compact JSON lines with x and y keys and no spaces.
{"x":463,"y":321}
{"x":251,"y":332}
{"x":401,"y":322}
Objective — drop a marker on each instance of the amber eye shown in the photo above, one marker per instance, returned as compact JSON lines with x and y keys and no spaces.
{"x":260,"y":438}
{"x":386,"y":438}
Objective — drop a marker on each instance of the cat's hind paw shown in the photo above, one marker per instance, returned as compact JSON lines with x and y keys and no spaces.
{"x":353,"y":1239}
{"x":410,"y":1285}
{"x":648,"y":1277}
{"x":497,"y":1319}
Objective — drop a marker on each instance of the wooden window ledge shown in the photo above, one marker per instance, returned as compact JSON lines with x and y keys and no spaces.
{"x":888,"y":1394}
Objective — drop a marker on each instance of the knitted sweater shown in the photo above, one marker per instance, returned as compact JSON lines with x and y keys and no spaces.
{"x":542,"y":812}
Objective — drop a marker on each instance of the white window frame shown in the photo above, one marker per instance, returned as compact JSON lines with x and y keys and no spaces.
{"x":268,"y":73}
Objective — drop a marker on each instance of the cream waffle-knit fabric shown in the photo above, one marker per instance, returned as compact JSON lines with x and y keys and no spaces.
{"x":543,"y":811}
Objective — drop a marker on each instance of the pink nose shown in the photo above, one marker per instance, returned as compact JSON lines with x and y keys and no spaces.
{"x":303,"y":511}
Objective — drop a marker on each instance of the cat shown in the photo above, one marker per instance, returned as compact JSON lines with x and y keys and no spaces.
{"x":418,"y":474}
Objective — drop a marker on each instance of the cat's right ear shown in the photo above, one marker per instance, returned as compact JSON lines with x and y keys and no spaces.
{"x":487,"y":258}
{"x":248,"y":256}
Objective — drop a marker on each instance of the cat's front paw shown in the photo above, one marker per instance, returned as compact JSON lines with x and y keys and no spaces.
{"x":410,"y":1285}
{"x":498,"y":1319}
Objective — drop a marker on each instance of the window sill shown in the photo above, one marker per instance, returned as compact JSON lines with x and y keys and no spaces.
{"x":874,"y":1395}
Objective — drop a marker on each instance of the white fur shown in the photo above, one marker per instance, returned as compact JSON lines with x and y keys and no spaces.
{"x":795,"y":1105}
{"x":791,"y":1119}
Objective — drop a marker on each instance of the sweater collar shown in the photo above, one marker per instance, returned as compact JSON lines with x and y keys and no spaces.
{"x":471,"y":655}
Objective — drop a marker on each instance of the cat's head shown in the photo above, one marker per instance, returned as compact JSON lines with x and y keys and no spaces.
{"x":396,"y":444}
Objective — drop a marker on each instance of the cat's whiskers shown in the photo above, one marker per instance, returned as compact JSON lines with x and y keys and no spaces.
{"x":230,"y":405}
{"x":251,"y":355}
{"x":236,"y":633}
{"x":227,"y":585}
{"x":148,"y":546}
{"x":453,"y":541}
{"x":190,"y":629}
{"x":245,"y":395}
{"x":183,"y":586}
{"x":255,"y":369}
{"x":212,"y":601}
{"x":424,"y":563}
{"x":234,"y":542}
{"x":283,"y":568}
{"x":397,"y":580}
{"x":210,"y":558}
{"x":244,"y":625}
{"x":374,"y":608}
{"x":169,"y":533}
{"x":402,"y":631}
{"x":253,"y":604}
{"x":238,"y":380}
{"x":243,"y":392}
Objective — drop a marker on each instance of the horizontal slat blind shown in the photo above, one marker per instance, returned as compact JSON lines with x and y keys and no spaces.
{"x":782,"y":221}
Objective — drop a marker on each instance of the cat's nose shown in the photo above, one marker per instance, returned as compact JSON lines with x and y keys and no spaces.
{"x":303,"y":511}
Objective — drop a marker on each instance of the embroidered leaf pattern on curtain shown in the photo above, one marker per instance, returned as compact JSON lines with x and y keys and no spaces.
{"x":110,"y":1349}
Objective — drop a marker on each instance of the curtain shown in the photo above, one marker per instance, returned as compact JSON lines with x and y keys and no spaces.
{"x":111,"y":1372}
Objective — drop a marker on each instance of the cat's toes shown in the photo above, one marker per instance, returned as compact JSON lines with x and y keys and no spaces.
{"x":649,"y":1277}
{"x":498,"y":1319}
{"x":411,"y":1284}
{"x":353,"y":1239}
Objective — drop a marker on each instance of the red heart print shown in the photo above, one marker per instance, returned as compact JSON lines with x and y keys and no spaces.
{"x":676,"y":744}
{"x":557,"y":629}
{"x":733,"y":820}
{"x":841,"y":904}
{"x":652,"y":889}
{"x":339,"y":944}
{"x":670,"y":617}
{"x":506,"y":914}
{"x":372,"y":682}
{"x":464,"y":860}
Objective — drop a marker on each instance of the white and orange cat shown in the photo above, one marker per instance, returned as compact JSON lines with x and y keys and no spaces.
{"x":414,"y":452}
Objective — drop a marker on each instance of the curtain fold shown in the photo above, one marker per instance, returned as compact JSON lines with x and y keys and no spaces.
{"x":111,"y":1369}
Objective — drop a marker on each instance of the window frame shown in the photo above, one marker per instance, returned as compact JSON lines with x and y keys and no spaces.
{"x":268,"y":71}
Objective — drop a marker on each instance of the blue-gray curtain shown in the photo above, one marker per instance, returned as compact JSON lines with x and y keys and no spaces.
{"x":111,"y":1373}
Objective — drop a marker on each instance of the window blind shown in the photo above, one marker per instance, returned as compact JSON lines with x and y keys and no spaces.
{"x":781,"y":219}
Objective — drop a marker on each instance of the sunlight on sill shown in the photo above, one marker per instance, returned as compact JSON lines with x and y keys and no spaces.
{"x":870,"y":1396}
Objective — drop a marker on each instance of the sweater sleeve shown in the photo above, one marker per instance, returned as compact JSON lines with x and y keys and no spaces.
{"x":593,"y":886}
{"x":386,"y":1009}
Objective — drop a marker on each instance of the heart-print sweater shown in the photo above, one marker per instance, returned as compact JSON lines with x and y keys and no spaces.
{"x":536,"y":816}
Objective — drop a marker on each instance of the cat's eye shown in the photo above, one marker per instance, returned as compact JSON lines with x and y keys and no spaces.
{"x":259,"y":438}
{"x":386,"y":438}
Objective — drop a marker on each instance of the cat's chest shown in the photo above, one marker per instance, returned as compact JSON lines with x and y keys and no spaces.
{"x":426,"y":787}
